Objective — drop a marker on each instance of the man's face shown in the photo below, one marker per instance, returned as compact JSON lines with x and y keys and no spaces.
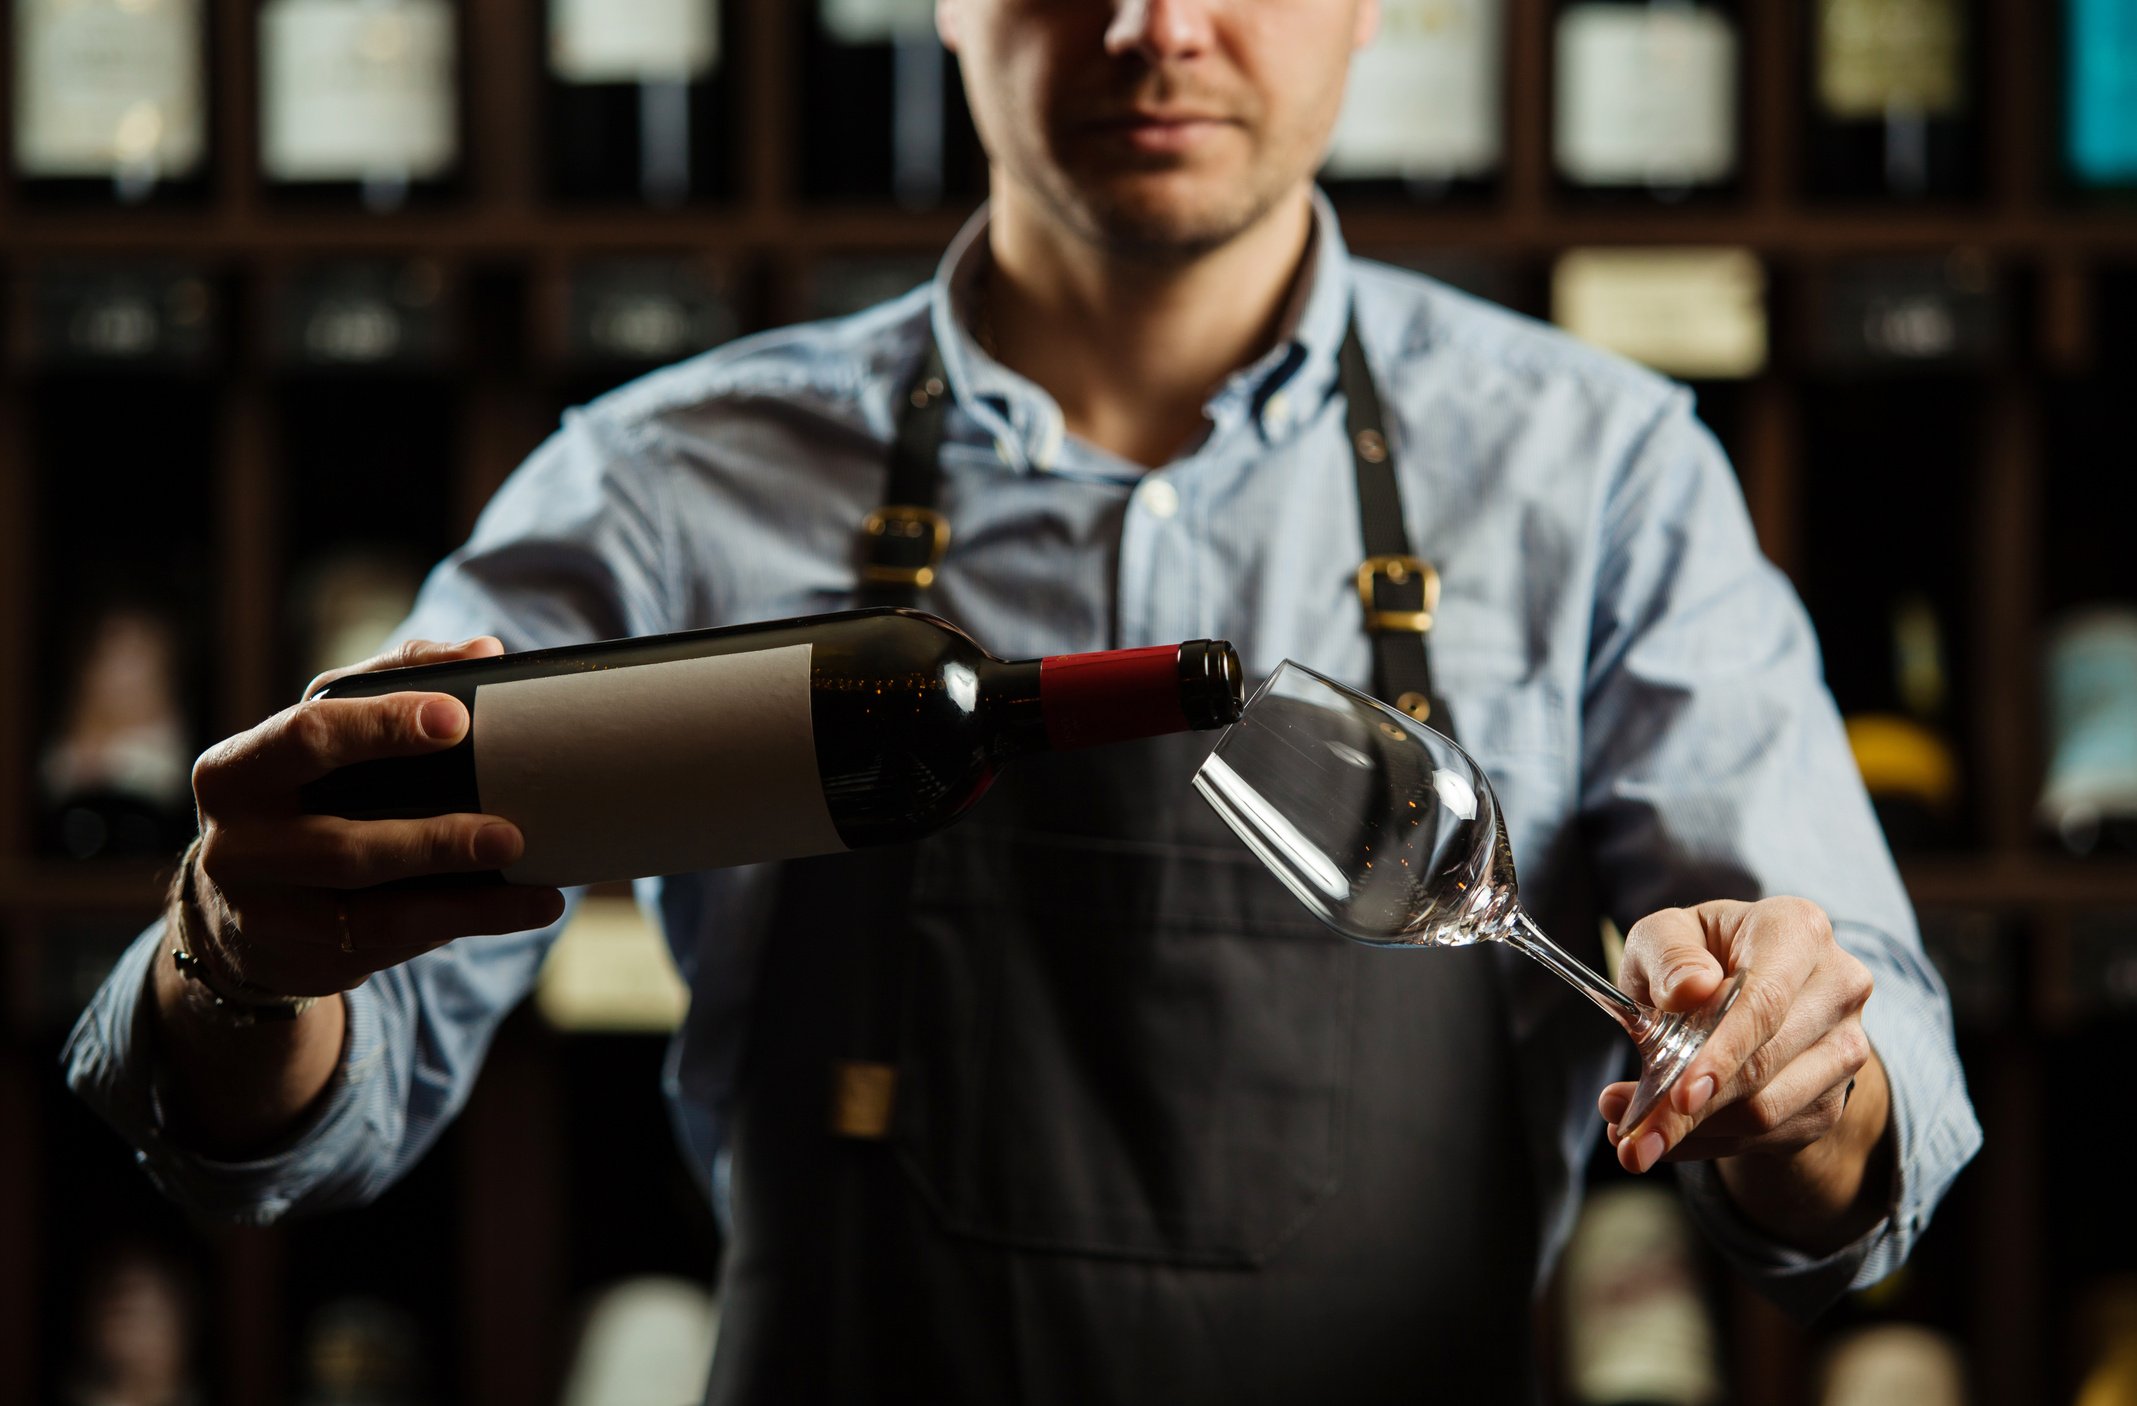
{"x":1155,"y":128}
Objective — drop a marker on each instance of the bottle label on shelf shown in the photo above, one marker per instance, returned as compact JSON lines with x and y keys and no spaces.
{"x":1646,"y":96}
{"x":109,"y":88}
{"x":2102,"y":63}
{"x":1423,"y":101}
{"x":656,"y":768}
{"x":1880,"y":56}
{"x":633,"y":41}
{"x":876,"y":21}
{"x":356,"y":90}
{"x":1698,"y":313}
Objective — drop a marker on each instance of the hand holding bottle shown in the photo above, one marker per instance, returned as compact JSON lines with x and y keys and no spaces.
{"x":286,"y":901}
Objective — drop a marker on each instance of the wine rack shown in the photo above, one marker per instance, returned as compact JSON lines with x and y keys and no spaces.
{"x":2038,"y":945}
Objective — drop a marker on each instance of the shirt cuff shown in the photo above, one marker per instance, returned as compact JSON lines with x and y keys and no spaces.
{"x":109,"y":1059}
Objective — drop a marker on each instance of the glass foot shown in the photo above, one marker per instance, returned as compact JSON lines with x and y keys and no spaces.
{"x":1669,"y":1045}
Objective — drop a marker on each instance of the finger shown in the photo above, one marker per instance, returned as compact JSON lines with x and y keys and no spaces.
{"x":1792,"y":1105}
{"x":409,"y":653}
{"x":318,"y":851}
{"x":385,"y":930}
{"x":264,"y":767}
{"x":416,"y":918}
{"x":1798,"y":984}
{"x":1669,"y":959}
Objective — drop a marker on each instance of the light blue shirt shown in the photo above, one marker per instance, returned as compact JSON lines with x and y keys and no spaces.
{"x":1641,"y":684}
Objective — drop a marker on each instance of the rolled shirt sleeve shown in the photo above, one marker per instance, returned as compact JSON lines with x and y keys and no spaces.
{"x":574,"y":547}
{"x":1715,"y":766}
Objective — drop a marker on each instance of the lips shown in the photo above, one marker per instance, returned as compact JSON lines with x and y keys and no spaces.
{"x":1160,"y":131}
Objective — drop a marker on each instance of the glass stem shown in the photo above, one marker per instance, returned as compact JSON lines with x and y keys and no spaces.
{"x":1524,"y":934}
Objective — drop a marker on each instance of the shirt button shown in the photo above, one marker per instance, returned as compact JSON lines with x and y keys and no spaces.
{"x":1159,"y":498}
{"x":1276,"y":412}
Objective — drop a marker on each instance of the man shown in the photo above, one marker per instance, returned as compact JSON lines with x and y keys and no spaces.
{"x":1155,"y":1137}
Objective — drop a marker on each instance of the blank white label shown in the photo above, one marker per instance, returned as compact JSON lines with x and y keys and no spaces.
{"x":1424,"y":96}
{"x":109,"y":88}
{"x":357,"y":90}
{"x":876,"y":21}
{"x":655,"y":768}
{"x":633,"y":41}
{"x":1646,"y":96}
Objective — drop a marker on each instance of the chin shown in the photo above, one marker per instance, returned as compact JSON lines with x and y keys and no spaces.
{"x":1164,"y":212}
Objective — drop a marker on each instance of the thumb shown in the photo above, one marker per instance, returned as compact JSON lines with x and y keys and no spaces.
{"x":1668,"y":961}
{"x":409,"y":653}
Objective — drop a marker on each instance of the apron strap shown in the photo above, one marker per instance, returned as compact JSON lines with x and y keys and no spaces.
{"x":903,"y":541}
{"x":1397,"y":590}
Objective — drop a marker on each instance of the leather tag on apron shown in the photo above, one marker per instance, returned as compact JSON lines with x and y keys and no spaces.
{"x":863,"y":1096}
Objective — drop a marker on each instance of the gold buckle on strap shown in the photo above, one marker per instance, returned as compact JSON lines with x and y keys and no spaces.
{"x":902,"y":528}
{"x":1397,"y":571}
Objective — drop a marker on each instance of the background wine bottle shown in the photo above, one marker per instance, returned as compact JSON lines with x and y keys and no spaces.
{"x":360,"y":99}
{"x":1646,"y":98}
{"x":1892,"y":105}
{"x":1424,"y":114}
{"x":718,"y":747}
{"x":883,"y":113}
{"x":110,"y":100}
{"x":2100,"y":93}
{"x":638,"y":110}
{"x":120,"y":710}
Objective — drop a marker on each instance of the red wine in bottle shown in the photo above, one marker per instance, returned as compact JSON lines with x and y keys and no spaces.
{"x":711,"y":748}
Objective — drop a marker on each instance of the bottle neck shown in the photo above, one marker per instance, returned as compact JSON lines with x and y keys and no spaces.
{"x":1067,"y":701}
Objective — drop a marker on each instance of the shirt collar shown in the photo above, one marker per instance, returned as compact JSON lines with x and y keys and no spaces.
{"x":1026,"y":422}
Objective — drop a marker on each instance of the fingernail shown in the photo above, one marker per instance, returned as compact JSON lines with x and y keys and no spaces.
{"x":497,"y":844}
{"x":441,"y":718}
{"x":1695,"y":1097}
{"x":1647,"y":1151}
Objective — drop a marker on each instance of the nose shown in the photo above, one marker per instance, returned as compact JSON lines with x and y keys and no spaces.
{"x":1162,"y":31}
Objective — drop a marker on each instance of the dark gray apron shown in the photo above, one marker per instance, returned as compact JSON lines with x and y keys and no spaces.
{"x":1157,"y":1135}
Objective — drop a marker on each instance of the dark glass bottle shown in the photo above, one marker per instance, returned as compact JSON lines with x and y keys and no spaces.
{"x":883,"y":115}
{"x":1424,"y":113}
{"x":711,"y":748}
{"x":638,"y":106}
{"x":360,"y":101}
{"x":111,"y":101}
{"x":1647,"y":99}
{"x":1892,"y":103}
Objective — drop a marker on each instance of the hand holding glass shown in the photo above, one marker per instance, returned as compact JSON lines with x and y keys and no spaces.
{"x":1389,"y":833}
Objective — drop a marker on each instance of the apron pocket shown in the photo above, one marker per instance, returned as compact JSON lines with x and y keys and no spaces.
{"x":1119,"y":1047}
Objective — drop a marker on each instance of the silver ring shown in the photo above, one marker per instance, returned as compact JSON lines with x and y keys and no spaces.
{"x":341,"y":922}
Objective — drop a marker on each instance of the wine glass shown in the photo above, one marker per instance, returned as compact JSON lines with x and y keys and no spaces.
{"x":1389,"y":833}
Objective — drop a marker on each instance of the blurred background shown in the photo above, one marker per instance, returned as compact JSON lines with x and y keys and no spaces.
{"x":287,"y":287}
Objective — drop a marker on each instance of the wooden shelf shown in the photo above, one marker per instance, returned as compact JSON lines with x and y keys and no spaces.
{"x":476,"y":230}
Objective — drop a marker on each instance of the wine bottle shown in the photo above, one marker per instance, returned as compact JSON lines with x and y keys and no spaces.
{"x":2089,"y":799}
{"x":711,"y":748}
{"x":360,"y":99}
{"x":1892,"y":111}
{"x":1423,"y":117}
{"x":883,"y":116}
{"x":1647,"y":98}
{"x":111,"y":100}
{"x":636,"y":105}
{"x":2100,"y":87}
